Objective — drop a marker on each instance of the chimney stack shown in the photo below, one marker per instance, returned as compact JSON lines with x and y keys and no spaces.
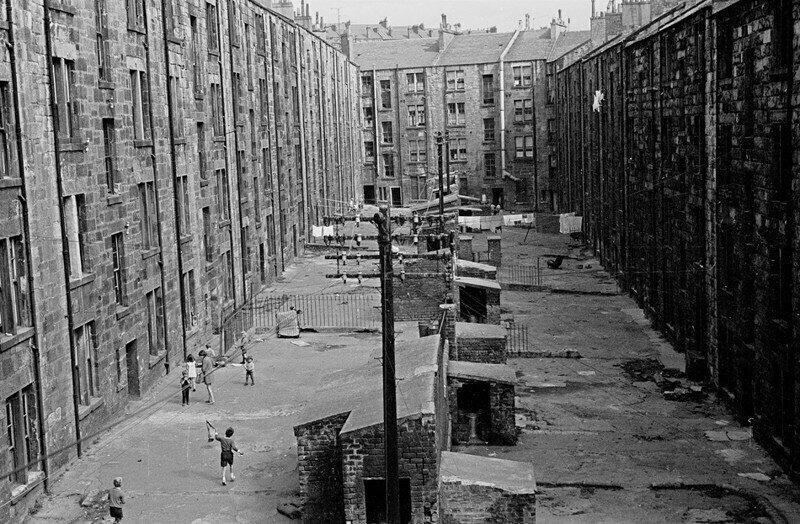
{"x":527,"y":21}
{"x":444,"y":21}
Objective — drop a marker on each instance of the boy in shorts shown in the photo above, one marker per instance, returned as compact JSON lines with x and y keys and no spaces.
{"x":116,"y":498}
{"x":227,"y":447}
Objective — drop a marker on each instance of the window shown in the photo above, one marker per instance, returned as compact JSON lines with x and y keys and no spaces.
{"x":263,"y":98}
{"x":217,"y":111}
{"x":101,"y":45}
{"x":237,"y":97}
{"x":782,"y":22}
{"x":416,"y":82}
{"x":184,"y":211}
{"x":455,"y":80}
{"x":108,"y":155}
{"x":489,"y":168}
{"x":386,"y":127}
{"x":262,"y":262}
{"x":66,"y":109}
{"x":488,"y":89}
{"x":227,"y":277}
{"x":522,"y":75}
{"x":201,"y":151}
{"x":782,"y":160}
{"x":366,"y":85}
{"x":523,"y":111}
{"x":244,"y":234}
{"x":458,"y":149}
{"x":135,"y":14}
{"x":141,"y":105}
{"x":8,"y":140}
{"x":13,"y":285}
{"x":386,"y":94}
{"x":212,"y":30}
{"x":724,"y":50}
{"x":118,"y":267}
{"x":369,"y":150}
{"x":155,"y":320}
{"x":86,"y":359}
{"x":416,"y":115}
{"x":223,"y":195}
{"x":257,"y":198}
{"x":172,"y":16}
{"x":190,"y":309}
{"x":455,"y":114}
{"x":21,"y":434}
{"x":149,"y":215}
{"x":488,"y":129}
{"x":208,"y":249}
{"x":369,"y":116}
{"x":551,"y":129}
{"x":75,"y":218}
{"x":724,"y":152}
{"x":259,"y":28}
{"x":194,"y":42}
{"x":388,"y":165}
{"x":382,"y":194}
{"x":248,"y":56}
{"x":177,"y":107}
{"x":233,"y":22}
{"x":524,"y":146}
{"x":417,"y":150}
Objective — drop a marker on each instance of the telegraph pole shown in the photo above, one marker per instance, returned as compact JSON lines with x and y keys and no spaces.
{"x":389,"y":392}
{"x":447,"y":158}
{"x":439,"y":141}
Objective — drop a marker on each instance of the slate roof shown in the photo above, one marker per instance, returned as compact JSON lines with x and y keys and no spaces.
{"x":477,"y":282}
{"x":568,"y":41}
{"x":473,"y":330}
{"x":477,"y":48}
{"x":531,"y":45}
{"x":404,"y":54}
{"x":481,"y":372}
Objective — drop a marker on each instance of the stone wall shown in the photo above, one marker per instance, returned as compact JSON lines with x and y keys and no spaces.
{"x":473,"y":345}
{"x":472,"y":504}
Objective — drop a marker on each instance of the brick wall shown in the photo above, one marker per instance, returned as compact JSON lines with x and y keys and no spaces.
{"x":499,"y":416}
{"x":472,"y":504}
{"x":487,"y":350}
{"x":419,"y":297}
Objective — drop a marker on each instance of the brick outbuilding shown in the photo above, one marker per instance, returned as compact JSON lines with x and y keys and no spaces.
{"x":479,"y":343}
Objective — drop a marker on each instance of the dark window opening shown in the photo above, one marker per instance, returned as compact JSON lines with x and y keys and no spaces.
{"x":375,"y":500}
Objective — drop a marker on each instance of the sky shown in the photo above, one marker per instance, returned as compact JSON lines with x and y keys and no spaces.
{"x":472,"y":14}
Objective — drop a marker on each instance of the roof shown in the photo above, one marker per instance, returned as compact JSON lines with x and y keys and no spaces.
{"x":481,"y":372}
{"x":478,"y":48}
{"x":477,"y":282}
{"x":507,"y":475}
{"x":475,"y":265}
{"x":569,"y":41}
{"x":359,"y":391}
{"x":389,"y":54}
{"x":473,"y":330}
{"x":531,"y":45}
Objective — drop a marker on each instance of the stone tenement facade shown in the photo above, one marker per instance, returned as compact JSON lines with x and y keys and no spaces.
{"x":688,"y":182}
{"x":160,"y":162}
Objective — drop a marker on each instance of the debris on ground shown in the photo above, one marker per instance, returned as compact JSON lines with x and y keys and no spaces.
{"x":756,"y":476}
{"x":300,"y":343}
{"x":289,"y":509}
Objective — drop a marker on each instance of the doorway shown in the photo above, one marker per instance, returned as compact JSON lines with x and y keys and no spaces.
{"x":132,"y":361}
{"x":375,"y":500}
{"x":473,"y":401}
{"x":369,"y":194}
{"x":473,"y":304}
{"x":497,"y":196}
{"x":397,"y":198}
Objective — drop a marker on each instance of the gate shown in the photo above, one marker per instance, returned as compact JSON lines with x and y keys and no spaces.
{"x":335,"y":310}
{"x":517,"y":341}
{"x":523,"y":275}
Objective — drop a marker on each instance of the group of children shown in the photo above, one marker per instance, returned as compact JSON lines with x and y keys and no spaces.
{"x":188,"y":378}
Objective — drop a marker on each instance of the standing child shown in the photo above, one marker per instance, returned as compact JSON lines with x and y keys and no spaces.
{"x":116,"y":498}
{"x":227,"y":447}
{"x":248,"y":371}
{"x":185,"y":385}
{"x":191,"y":370}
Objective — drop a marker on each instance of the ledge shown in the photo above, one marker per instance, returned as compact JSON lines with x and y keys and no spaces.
{"x":122,"y":311}
{"x":199,"y":95}
{"x":175,"y":39}
{"x":185,"y":239}
{"x":113,"y":199}
{"x":213,"y":55}
{"x":4,"y":25}
{"x":179,"y":141}
{"x":225,"y":223}
{"x":137,"y":29}
{"x":220,"y":138}
{"x":94,"y":403}
{"x":105,"y":84}
{"x":34,"y":479}
{"x":70,"y":145}
{"x":158,"y":357}
{"x":10,"y":182}
{"x":63,"y":8}
{"x":150,"y":253}
{"x":86,"y":278}
{"x":8,"y":342}
{"x":143,"y":143}
{"x":203,"y":182}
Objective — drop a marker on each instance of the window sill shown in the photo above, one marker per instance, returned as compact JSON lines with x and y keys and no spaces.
{"x":142,"y":143}
{"x":203,"y":182}
{"x":70,"y":145}
{"x":34,"y":479}
{"x":150,"y":253}
{"x":179,"y":141}
{"x":158,"y":357}
{"x":220,"y":138}
{"x":105,"y":84}
{"x":175,"y":39}
{"x":94,"y":403}
{"x":487,"y":104}
{"x":725,"y":82}
{"x":213,"y":55}
{"x":55,"y":6}
{"x":84,"y":279}
{"x":9,"y":341}
{"x":113,"y":199}
{"x":10,"y":182}
{"x":122,"y":311}
{"x":4,"y":25}
{"x":137,"y":29}
{"x":185,"y":239}
{"x":224,"y":223}
{"x":780,"y":74}
{"x":460,"y":161}
{"x":457,"y":126}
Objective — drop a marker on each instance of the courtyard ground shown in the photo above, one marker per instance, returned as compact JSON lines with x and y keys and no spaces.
{"x":618,"y":435}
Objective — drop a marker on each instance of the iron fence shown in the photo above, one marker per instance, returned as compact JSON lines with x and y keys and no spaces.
{"x":335,"y":310}
{"x":524,"y":275}
{"x":517,"y":341}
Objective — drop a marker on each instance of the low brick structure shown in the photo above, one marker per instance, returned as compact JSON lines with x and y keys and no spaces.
{"x":467,"y":268}
{"x":479,"y":300}
{"x":495,"y":251}
{"x":465,"y":247}
{"x":477,"y":489}
{"x":418,"y":297}
{"x":484,"y":343}
{"x":483,"y":393}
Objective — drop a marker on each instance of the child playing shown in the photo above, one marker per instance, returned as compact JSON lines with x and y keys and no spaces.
{"x":227,"y":447}
{"x":248,"y":371}
{"x":116,"y":498}
{"x":191,"y":370}
{"x":185,"y":385}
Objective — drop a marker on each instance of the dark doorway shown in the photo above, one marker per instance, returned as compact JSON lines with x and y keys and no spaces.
{"x":473,"y":401}
{"x":369,"y":195}
{"x":497,"y":196}
{"x":132,"y":360}
{"x":375,"y":500}
{"x":473,"y":304}
{"x":397,"y":198}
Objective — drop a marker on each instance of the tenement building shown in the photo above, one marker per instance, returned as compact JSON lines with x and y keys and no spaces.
{"x":678,"y":143}
{"x":160,"y":162}
{"x":486,"y":93}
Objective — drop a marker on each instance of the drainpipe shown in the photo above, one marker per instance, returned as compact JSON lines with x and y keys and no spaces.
{"x":23,"y":200}
{"x":535,"y":141}
{"x":376,"y":128}
{"x":503,"y":102}
{"x":278,"y":169}
{"x":155,"y":190}
{"x":174,"y":172}
{"x":62,"y":227}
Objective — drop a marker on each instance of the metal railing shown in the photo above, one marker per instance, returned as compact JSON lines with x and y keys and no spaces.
{"x":518,"y":341}
{"x":335,"y":310}
{"x":524,"y":275}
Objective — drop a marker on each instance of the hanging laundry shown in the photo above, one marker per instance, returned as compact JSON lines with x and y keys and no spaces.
{"x":316,"y":231}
